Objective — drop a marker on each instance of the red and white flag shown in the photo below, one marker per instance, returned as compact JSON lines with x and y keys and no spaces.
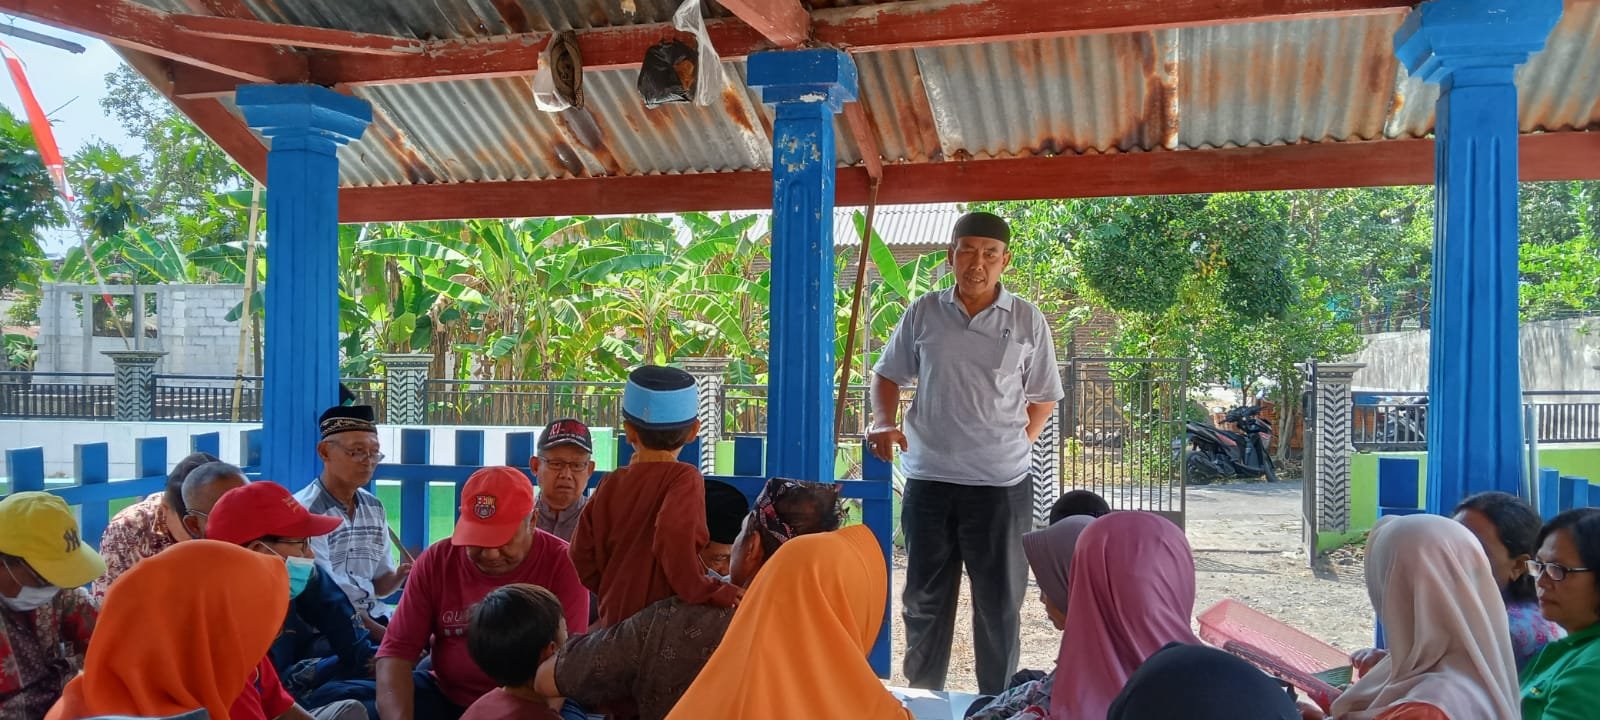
{"x":49,"y":152}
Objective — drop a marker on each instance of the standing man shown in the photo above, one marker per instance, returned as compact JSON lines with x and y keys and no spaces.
{"x":564,"y":462}
{"x":984,"y":364}
{"x":356,"y":555}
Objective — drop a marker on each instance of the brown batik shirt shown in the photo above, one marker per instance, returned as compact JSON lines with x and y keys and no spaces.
{"x":650,"y":658}
{"x":137,"y":532}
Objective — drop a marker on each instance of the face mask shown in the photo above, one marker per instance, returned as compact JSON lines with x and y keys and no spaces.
{"x":28,"y":599}
{"x":714,"y":575}
{"x":300,"y":571}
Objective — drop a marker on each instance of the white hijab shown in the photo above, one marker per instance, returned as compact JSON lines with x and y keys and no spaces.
{"x":1449,"y":645}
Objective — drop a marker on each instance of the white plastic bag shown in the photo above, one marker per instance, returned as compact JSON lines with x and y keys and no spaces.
{"x":545,"y":96}
{"x":708,"y":71}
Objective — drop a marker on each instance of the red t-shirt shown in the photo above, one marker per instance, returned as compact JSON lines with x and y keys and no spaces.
{"x":639,"y":540}
{"x":263,"y":698}
{"x":498,"y":704}
{"x":439,"y":596}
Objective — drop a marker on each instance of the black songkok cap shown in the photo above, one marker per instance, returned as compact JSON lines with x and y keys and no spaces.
{"x":347,"y":418}
{"x":726,"y":509}
{"x":981,"y":224}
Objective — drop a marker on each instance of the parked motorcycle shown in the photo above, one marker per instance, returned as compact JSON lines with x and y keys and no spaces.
{"x":1218,"y":454}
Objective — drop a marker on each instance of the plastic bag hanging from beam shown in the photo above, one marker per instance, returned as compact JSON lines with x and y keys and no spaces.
{"x":708,"y":66}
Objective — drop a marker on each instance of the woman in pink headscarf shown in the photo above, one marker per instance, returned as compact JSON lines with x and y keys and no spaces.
{"x":1130,"y":592}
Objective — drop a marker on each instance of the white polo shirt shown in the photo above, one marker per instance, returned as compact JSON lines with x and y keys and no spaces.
{"x":975,"y":377}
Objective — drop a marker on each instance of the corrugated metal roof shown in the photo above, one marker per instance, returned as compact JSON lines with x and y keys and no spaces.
{"x":919,"y":224}
{"x":1300,"y":81}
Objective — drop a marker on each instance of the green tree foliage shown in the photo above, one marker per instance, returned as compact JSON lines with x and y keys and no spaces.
{"x":27,"y":201}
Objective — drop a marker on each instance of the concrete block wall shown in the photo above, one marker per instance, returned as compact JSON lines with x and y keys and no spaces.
{"x":192,"y":318}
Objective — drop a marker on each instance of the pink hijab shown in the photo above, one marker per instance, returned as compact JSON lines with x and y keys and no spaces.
{"x":1131,"y":592}
{"x":1446,"y":623}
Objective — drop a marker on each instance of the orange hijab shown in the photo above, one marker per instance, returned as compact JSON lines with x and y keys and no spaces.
{"x":798,"y":643}
{"x":182,"y":630}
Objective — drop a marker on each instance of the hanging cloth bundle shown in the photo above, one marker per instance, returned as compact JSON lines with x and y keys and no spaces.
{"x":558,"y":84}
{"x":855,"y":312}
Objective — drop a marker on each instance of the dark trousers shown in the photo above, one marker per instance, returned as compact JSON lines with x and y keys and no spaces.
{"x":431,"y":701}
{"x":946,"y":525}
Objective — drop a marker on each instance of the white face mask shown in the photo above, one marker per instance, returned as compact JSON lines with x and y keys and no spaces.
{"x":28,"y":599}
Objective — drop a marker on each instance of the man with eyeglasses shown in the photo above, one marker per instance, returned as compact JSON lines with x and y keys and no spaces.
{"x":45,"y":617}
{"x":564,"y":462}
{"x":356,"y":555}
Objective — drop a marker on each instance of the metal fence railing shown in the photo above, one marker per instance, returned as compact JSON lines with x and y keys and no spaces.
{"x":1566,"y":415}
{"x":744,"y":409}
{"x":523,"y":402}
{"x":52,"y":395}
{"x":207,"y":398}
{"x":1389,"y":422}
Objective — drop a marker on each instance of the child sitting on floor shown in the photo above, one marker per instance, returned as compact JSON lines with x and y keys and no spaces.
{"x":640,"y":535}
{"x":511,"y":631}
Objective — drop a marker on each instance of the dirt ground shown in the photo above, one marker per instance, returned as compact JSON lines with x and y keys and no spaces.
{"x":1246,"y":539}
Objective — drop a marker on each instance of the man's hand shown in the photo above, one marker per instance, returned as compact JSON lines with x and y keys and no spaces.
{"x":388,"y":583}
{"x":882,"y":439}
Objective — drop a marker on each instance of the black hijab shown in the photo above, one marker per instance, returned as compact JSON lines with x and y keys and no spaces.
{"x":1195,"y":682}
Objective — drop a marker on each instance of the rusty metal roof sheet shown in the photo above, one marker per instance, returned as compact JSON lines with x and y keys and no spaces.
{"x":1273,"y":83}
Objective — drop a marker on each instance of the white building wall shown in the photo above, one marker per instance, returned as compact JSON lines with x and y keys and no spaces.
{"x":191,"y":326}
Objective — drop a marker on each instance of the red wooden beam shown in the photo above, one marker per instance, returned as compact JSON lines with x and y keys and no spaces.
{"x":866,"y":137}
{"x":127,"y":24}
{"x":212,"y":117}
{"x":953,"y":22}
{"x":195,"y":83}
{"x":228,"y":132}
{"x":265,"y":33}
{"x":885,"y":26}
{"x":518,"y":55}
{"x":784,"y":22}
{"x":1550,"y":156}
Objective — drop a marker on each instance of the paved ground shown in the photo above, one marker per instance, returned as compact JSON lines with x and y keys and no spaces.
{"x":1247,"y":547}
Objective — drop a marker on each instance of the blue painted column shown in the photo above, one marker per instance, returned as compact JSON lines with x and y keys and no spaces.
{"x":1471,"y":48}
{"x":305,"y":125}
{"x":806,"y":87}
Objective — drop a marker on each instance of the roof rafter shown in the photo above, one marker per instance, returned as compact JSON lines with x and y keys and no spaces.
{"x":887,"y":26}
{"x":1548,"y":156}
{"x":784,"y":22}
{"x":126,"y":24}
{"x":265,"y":33}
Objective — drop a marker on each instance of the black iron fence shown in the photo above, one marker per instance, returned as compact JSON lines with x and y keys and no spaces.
{"x":63,"y":396}
{"x":522,"y":402}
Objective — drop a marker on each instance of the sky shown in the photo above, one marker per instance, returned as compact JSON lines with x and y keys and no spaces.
{"x":69,"y":88}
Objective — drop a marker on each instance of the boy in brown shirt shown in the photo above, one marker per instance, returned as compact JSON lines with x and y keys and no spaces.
{"x":640,"y":535}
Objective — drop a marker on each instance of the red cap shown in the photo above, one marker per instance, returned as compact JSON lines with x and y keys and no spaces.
{"x":494,"y":504}
{"x":263,"y":508}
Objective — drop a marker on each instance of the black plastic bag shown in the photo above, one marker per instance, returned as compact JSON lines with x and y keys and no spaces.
{"x":668,"y":73}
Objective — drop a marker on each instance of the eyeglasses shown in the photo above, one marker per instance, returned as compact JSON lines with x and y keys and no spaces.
{"x":1556,"y":572}
{"x":361,"y":455}
{"x":559,"y":466}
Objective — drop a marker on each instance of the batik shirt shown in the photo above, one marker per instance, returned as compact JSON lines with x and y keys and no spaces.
{"x":137,"y":532}
{"x":357,"y":552}
{"x":40,"y":651}
{"x":650,"y":658}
